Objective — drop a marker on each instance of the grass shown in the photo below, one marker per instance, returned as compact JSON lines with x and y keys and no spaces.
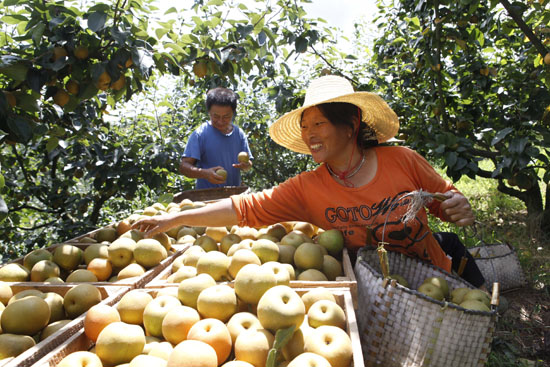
{"x":520,"y":331}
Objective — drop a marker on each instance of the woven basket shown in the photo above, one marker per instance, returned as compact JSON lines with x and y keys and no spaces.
{"x":402,"y":327}
{"x":499,"y":263}
{"x":209,"y":194}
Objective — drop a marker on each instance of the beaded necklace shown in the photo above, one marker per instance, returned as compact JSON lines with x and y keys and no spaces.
{"x":344,"y":176}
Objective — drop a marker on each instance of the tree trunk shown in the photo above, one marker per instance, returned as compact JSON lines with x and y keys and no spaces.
{"x":98,"y":204}
{"x":532,"y":198}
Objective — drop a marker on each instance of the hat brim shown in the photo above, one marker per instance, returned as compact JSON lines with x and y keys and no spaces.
{"x":376,"y":113}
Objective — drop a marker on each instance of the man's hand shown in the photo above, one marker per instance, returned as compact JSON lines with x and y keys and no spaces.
{"x":211,"y":176}
{"x":244,"y":166}
{"x":457,"y":209}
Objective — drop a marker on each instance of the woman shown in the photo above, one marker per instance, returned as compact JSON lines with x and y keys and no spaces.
{"x":358,"y":187}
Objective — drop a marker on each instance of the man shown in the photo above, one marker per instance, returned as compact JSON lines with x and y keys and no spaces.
{"x":216,"y":144}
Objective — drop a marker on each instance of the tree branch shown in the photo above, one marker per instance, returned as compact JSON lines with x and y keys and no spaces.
{"x":512,"y":192}
{"x":524,"y":27}
{"x":32,"y":228}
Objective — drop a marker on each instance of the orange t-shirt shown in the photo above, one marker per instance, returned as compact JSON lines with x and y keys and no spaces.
{"x":317,"y":198}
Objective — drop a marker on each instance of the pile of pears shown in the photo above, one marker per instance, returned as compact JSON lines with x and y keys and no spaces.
{"x":438,"y":288}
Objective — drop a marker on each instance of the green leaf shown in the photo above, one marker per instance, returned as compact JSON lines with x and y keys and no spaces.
{"x":450,"y":159}
{"x":16,"y":71}
{"x":171,"y":10}
{"x":28,"y":102}
{"x":165,"y":198}
{"x":282,"y":336}
{"x":2,"y":181}
{"x":21,"y":127}
{"x":398,"y":40}
{"x":11,"y":2}
{"x":38,"y":32}
{"x":175,"y":47}
{"x":301,"y":44}
{"x":189,"y":38}
{"x":415,"y":21}
{"x":96,"y":21}
{"x":13,"y":19}
{"x":215,"y":2}
{"x":88,"y":92}
{"x":52,"y":144}
{"x":501,"y":135}
{"x":160,"y":32}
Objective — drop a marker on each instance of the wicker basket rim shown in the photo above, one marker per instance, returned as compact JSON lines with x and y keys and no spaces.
{"x":510,"y":247}
{"x":428,"y":298}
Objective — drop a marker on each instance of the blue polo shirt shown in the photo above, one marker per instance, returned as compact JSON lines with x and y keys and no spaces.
{"x":212,"y":148}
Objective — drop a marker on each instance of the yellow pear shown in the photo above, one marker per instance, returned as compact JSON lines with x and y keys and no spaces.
{"x":25,"y":316}
{"x":189,"y":289}
{"x":131,"y":306}
{"x":14,"y":272}
{"x":81,"y":359}
{"x":149,"y":252}
{"x":155,"y":311}
{"x":119,"y":343}
{"x":130,"y":271}
{"x":80,"y":298}
{"x":12,"y":345}
{"x":252,"y":281}
{"x":53,"y":327}
{"x":67,"y":256}
{"x":332,"y":343}
{"x":107,"y":234}
{"x":177,"y":322}
{"x":317,"y":294}
{"x":253,"y":346}
{"x":219,"y":302}
{"x":214,"y":263}
{"x":35,"y":256}
{"x":281,"y":307}
{"x":5,"y":293}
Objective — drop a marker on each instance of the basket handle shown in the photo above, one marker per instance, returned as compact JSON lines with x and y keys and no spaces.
{"x":494,"y":297}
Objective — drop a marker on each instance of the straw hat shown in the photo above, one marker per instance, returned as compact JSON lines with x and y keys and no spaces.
{"x":374,"y":110}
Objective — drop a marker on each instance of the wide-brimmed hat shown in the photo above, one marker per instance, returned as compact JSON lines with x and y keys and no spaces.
{"x":374,"y":110}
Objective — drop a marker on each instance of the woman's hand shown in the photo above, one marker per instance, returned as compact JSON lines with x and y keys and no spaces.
{"x":155,"y":224}
{"x":456,"y":209}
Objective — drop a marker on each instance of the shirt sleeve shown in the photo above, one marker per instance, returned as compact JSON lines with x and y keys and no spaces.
{"x":193,"y":149}
{"x":270,"y":206}
{"x":431,"y":181}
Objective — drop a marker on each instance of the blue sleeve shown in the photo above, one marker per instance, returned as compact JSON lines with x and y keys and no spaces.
{"x":193,"y":148}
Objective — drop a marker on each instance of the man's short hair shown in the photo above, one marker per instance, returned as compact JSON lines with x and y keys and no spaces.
{"x":222,"y":97}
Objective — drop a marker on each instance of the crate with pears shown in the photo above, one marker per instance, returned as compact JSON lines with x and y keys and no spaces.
{"x":104,"y":259}
{"x":291,"y":253}
{"x":213,"y":325}
{"x":36,"y":319}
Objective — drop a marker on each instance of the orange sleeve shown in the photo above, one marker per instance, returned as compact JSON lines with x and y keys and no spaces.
{"x":429,"y":180}
{"x":279,"y":204}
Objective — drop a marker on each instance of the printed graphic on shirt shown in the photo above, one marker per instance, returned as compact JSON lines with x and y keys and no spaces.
{"x":384,"y":220}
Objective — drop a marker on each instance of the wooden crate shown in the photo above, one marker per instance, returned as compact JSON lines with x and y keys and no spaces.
{"x":79,"y":342}
{"x":134,"y":282}
{"x":110,"y":296}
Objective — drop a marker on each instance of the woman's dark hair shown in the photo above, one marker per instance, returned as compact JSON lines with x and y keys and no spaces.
{"x":341,"y":114}
{"x":222,"y":97}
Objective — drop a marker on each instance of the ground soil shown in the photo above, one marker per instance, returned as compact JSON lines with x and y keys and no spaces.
{"x":524,"y":328}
